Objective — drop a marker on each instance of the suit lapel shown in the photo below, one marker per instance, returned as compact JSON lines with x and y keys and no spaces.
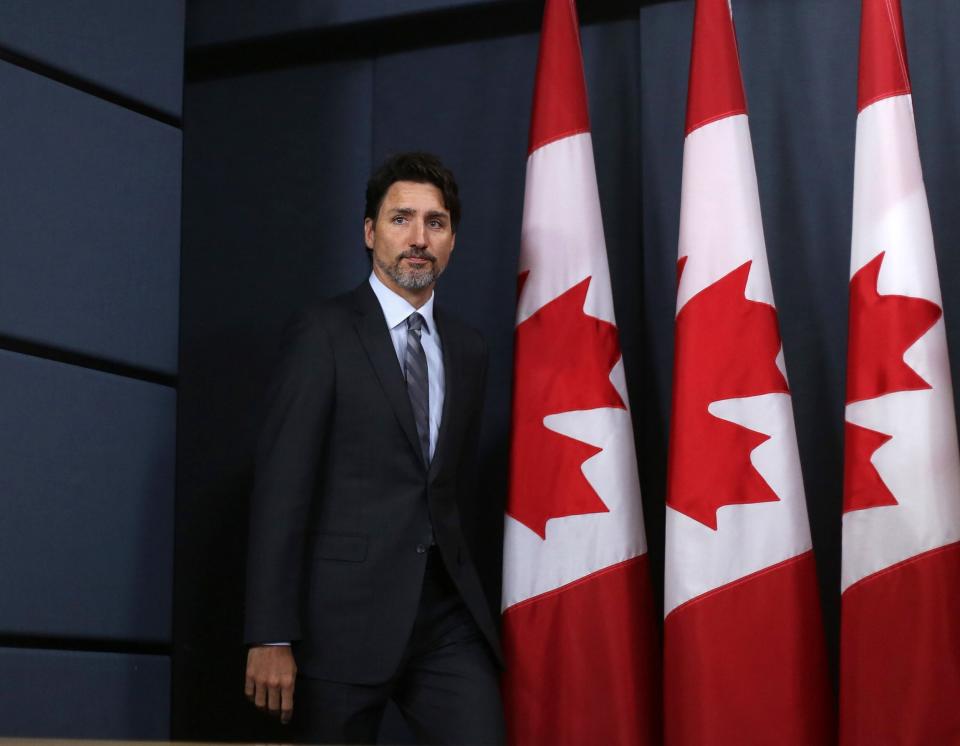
{"x":451,"y":378}
{"x":375,"y":337}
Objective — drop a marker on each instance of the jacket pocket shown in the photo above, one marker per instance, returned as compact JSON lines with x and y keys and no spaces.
{"x":340,"y":547}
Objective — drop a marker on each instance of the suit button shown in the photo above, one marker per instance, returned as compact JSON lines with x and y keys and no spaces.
{"x":421,"y":548}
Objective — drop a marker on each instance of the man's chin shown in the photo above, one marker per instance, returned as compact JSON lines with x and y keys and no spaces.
{"x":417,"y":283}
{"x":416,"y":279}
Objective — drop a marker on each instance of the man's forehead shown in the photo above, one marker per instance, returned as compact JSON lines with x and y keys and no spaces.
{"x":414,"y":196}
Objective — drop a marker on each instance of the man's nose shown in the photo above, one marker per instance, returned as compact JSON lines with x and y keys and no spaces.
{"x":418,"y":235}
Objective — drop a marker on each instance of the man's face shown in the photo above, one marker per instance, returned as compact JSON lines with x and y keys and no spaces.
{"x":411,"y":239}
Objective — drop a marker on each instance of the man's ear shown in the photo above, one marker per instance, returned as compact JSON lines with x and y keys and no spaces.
{"x":368,"y":232}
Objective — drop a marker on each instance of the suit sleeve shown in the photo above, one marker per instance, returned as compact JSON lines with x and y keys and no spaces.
{"x":298,"y":404}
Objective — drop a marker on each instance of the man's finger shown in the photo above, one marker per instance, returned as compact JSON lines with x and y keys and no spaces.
{"x":260,"y":696}
{"x":273,"y":699}
{"x":286,"y":703}
{"x":249,"y":687}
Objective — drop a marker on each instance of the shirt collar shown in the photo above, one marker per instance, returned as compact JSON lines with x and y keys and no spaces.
{"x":396,"y":309}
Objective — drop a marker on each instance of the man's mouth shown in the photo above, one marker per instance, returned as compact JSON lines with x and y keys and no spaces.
{"x":418,"y":261}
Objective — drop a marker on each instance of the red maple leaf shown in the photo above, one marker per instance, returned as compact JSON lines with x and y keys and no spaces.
{"x":862,"y":484}
{"x":726,"y":348}
{"x":882,"y":329}
{"x":563,"y":360}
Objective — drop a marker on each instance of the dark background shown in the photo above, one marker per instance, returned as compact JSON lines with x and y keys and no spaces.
{"x":90,"y":200}
{"x":125,"y":452}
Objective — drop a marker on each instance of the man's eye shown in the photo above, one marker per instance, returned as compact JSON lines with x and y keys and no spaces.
{"x":436,"y":224}
{"x":398,"y":219}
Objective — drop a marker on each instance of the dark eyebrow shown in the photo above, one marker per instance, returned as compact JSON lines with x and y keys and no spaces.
{"x":430,"y":214}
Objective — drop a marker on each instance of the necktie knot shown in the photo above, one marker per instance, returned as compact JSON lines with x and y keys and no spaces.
{"x":415,"y":323}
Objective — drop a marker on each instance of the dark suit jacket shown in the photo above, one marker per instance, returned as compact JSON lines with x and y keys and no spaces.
{"x":343,"y":504}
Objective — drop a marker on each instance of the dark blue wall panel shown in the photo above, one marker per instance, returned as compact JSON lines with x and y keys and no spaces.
{"x":226,"y":21}
{"x":132,"y":47}
{"x":90,"y":238}
{"x":86,"y":495}
{"x":66,"y":694}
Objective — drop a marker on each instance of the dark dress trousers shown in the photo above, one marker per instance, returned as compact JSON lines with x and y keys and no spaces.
{"x":344,"y":509}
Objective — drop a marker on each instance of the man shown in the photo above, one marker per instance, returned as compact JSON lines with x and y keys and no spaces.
{"x":369,"y":440}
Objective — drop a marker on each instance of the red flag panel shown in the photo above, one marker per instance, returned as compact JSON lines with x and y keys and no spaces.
{"x":560,"y":96}
{"x":726,"y":652}
{"x":883,"y":53}
{"x":900,"y":659}
{"x":586,"y":647}
{"x":716,"y":89}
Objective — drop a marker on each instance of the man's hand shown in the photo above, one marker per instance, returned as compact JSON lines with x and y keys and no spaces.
{"x":271,"y":673}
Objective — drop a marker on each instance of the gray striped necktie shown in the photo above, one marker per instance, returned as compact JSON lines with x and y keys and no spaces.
{"x":415,"y":370}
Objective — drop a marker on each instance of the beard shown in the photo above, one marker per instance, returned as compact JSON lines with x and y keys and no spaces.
{"x":411,"y":278}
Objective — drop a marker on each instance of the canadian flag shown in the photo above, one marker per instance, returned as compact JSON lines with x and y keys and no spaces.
{"x":579,"y":626}
{"x":744,"y":659}
{"x":900,"y":629}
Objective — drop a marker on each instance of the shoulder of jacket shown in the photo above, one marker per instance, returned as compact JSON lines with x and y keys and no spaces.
{"x":470,"y":337}
{"x":326,"y":311}
{"x":315,"y":325}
